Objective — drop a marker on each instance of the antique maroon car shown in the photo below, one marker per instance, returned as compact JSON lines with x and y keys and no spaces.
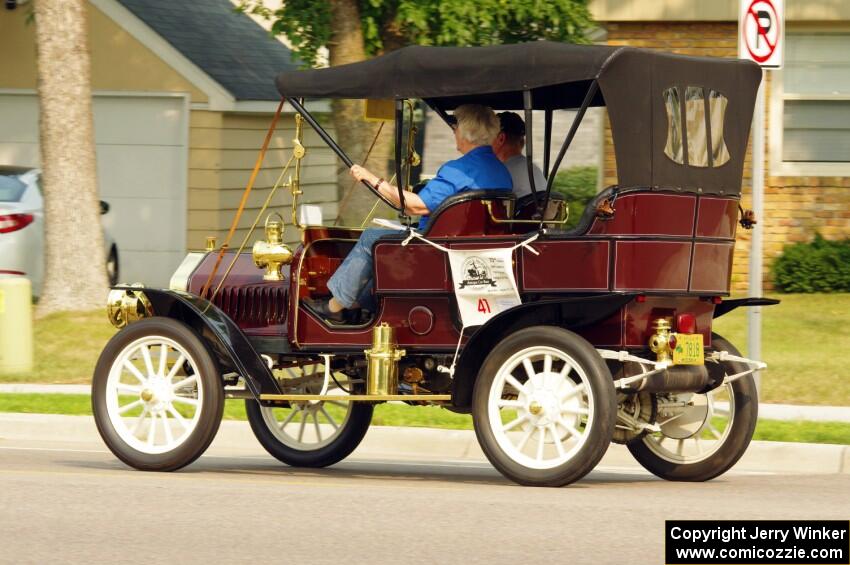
{"x":597,"y":333}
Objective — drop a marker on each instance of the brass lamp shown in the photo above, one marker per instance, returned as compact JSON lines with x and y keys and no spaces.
{"x":273,"y":252}
{"x":659,"y":342}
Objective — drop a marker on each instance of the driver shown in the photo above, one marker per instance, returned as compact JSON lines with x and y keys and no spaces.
{"x":475,"y":127}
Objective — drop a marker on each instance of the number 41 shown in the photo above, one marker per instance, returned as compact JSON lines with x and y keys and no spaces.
{"x":484,"y":306}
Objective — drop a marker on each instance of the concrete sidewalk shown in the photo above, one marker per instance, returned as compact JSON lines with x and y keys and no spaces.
{"x":394,"y":443}
{"x":766,"y":411}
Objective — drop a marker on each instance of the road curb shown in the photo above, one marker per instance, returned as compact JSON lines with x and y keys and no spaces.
{"x":767,"y":411}
{"x":386,"y":442}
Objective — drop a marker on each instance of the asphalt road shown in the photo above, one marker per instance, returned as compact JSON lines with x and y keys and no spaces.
{"x":72,"y":502}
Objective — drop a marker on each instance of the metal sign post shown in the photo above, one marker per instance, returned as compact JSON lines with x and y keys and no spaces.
{"x":756,"y":247}
{"x":761,"y":38}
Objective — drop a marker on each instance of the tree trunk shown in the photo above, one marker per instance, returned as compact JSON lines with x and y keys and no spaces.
{"x":75,"y":273}
{"x":352,"y":133}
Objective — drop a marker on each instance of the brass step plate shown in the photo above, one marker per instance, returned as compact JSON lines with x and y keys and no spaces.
{"x":355,"y":397}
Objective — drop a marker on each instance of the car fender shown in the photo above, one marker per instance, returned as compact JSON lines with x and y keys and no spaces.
{"x":228,"y":343}
{"x":728,"y":305}
{"x":570,"y":313}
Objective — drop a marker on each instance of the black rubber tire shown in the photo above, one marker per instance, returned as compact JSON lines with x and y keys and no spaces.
{"x":605,"y":408}
{"x":211,"y":407}
{"x":341,"y":447}
{"x":114,"y":275}
{"x":736,"y":443}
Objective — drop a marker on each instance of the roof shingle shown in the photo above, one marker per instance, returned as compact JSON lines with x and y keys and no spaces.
{"x":230,"y":47}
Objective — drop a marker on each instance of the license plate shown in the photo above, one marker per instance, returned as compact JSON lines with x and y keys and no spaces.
{"x":688,"y":350}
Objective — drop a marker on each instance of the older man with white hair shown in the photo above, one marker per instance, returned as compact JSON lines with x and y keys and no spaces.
{"x":475,"y":128}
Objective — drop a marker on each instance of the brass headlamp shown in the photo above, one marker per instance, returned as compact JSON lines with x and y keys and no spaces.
{"x":126,"y":306}
{"x":273,"y":252}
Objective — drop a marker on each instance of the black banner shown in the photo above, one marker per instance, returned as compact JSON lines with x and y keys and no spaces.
{"x":762,"y":542}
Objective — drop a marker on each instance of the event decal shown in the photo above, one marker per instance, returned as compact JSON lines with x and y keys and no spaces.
{"x":483,"y":280}
{"x":484,"y":283}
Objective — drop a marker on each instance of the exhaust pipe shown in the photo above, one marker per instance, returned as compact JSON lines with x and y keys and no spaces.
{"x":678,"y":378}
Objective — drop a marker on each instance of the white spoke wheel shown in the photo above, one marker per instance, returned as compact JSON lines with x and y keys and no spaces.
{"x":544,"y":406}
{"x":157,"y":395}
{"x":315,"y":433}
{"x":707,"y":436}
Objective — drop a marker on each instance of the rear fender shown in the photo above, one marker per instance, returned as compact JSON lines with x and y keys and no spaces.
{"x":569,"y":313}
{"x":225,"y":339}
{"x":728,"y":305}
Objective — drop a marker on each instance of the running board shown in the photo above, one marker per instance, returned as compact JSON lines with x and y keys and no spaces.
{"x":354,"y":397}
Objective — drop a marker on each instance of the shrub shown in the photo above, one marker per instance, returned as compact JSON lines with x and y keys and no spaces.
{"x":819,"y":266}
{"x":578,"y":186}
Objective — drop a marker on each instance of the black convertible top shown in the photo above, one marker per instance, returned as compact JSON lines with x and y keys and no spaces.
{"x":435,"y":72}
{"x":632,"y":84}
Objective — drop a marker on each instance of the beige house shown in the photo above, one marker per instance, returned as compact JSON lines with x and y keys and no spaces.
{"x":183,"y":96}
{"x":807,"y":168}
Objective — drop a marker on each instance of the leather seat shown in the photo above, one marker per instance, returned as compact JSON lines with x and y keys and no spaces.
{"x":587,"y":216}
{"x":464,"y":197}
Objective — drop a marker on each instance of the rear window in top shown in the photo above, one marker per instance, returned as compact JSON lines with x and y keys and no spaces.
{"x":11,"y":189}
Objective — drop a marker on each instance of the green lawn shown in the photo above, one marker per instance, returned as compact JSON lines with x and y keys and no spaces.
{"x":804,"y":339}
{"x":66,"y":347}
{"x":419,"y":416}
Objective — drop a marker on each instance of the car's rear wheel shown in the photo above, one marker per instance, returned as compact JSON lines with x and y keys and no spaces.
{"x":544,"y":407}
{"x":157,"y":395}
{"x":702,"y":435}
{"x":314,"y":433}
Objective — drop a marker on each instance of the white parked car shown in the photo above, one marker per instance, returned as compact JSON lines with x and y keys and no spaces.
{"x":22,"y":228}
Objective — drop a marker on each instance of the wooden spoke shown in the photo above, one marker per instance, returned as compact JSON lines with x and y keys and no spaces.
{"x":529,"y":368}
{"x":526,"y":436}
{"x":127,"y":407}
{"x":514,"y":423}
{"x":511,"y":380}
{"x":558,"y":445}
{"x":135,"y":371}
{"x":163,"y":358}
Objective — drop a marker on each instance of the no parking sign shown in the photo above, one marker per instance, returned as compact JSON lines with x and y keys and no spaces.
{"x":761,"y":32}
{"x":761,"y":38}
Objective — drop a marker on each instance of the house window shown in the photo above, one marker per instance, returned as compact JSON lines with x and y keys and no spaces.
{"x":705,"y":111}
{"x":814,"y":101}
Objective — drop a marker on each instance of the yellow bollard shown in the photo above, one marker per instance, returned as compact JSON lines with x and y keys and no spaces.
{"x":15,"y":325}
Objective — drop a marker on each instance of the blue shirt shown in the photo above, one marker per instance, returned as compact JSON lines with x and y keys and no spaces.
{"x":479,"y":168}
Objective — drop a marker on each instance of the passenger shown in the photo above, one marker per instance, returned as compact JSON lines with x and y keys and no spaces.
{"x":475,"y":128}
{"x":508,"y":147}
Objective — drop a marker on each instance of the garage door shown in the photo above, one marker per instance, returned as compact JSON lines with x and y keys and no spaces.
{"x":141,"y":164}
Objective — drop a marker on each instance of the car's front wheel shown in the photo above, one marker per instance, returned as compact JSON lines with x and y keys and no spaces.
{"x":544,"y":406}
{"x":157,"y":396}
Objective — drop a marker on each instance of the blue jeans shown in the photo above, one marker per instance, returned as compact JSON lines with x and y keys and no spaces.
{"x":352,"y":282}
